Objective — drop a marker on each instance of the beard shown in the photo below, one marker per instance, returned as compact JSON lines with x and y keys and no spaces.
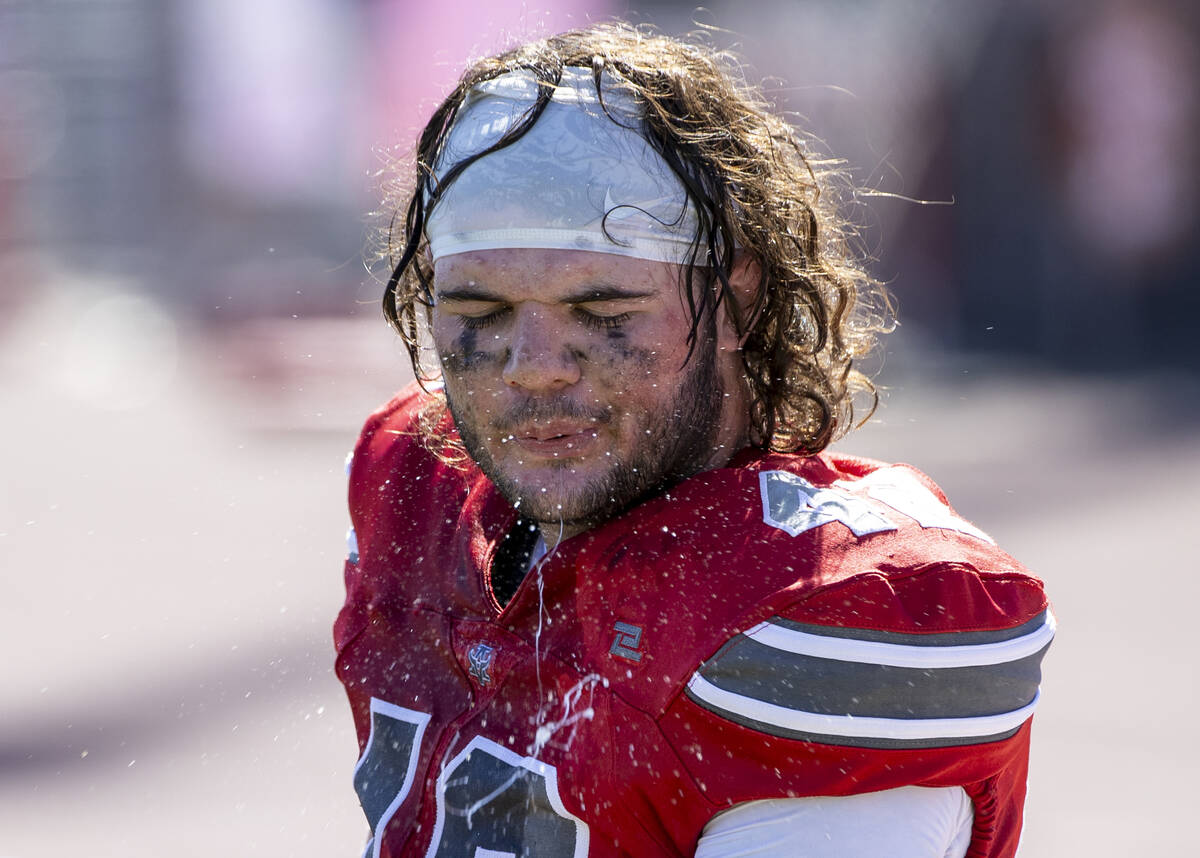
{"x":671,"y":443}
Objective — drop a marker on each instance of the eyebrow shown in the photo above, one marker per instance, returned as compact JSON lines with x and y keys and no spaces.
{"x":580,"y":296}
{"x":607,"y":293}
{"x":466,"y":293}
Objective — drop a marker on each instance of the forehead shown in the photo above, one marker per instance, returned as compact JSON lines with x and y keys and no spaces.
{"x":521,"y":273}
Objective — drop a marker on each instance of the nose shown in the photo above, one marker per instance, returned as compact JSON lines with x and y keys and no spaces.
{"x":539,"y":358}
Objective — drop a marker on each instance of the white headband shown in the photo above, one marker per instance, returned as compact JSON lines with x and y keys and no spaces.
{"x":576,"y":180}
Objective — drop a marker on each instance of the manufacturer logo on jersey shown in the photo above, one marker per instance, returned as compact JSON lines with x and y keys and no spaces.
{"x":626,"y":641}
{"x":481,"y":657}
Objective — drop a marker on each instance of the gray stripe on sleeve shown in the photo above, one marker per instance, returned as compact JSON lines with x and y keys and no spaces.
{"x":832,"y":687}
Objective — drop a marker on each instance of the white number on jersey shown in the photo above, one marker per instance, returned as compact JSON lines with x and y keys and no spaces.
{"x":904,"y":493}
{"x":384,"y":774}
{"x":494,"y":803}
{"x":795,"y":505}
{"x":491,"y":802}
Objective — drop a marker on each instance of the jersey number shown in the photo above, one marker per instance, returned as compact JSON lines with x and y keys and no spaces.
{"x":491,"y":802}
{"x":384,"y":775}
{"x":795,"y":505}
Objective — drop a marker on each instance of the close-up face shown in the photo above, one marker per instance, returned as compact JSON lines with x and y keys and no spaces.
{"x":568,"y":376}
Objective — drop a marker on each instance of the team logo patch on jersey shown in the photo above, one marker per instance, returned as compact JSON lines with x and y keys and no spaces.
{"x":481,"y":657}
{"x":627,"y":640}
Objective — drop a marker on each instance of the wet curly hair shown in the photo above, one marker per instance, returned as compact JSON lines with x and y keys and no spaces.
{"x":759,"y":197}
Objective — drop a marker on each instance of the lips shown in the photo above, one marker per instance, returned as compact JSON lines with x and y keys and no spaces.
{"x":554,"y":430}
{"x":557,"y":439}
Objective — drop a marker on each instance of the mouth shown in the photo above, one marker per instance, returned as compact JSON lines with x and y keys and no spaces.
{"x":555,"y":430}
{"x":557,"y":439}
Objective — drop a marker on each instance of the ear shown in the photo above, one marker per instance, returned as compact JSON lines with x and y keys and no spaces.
{"x":742,"y":303}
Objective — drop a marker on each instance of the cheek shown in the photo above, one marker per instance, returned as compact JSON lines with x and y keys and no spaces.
{"x":616,"y":359}
{"x":659,"y":347}
{"x":464,"y":350}
{"x":634,"y":370}
{"x":655,"y":346}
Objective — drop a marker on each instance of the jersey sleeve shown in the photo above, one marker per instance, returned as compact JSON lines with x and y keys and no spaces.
{"x":921,"y":677}
{"x":366,"y":468}
{"x":389,"y":486}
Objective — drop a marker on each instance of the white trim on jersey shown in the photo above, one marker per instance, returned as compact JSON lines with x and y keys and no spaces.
{"x":857,"y":726}
{"x":902,"y":655}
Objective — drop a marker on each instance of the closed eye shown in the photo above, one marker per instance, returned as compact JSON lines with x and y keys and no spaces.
{"x":600,"y":321}
{"x":474,"y":313}
{"x":483,"y":320}
{"x":603,"y":312}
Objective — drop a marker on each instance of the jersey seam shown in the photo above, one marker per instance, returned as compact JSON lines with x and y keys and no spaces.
{"x":656,"y":720}
{"x":1007,"y":576}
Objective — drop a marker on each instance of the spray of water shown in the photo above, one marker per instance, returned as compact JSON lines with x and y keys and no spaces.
{"x":571,"y":711}
{"x":537,"y":636}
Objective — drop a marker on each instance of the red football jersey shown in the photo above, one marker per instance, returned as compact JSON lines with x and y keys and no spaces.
{"x":783,"y":626}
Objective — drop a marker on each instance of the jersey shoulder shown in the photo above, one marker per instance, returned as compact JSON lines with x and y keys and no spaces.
{"x":389,"y":429}
{"x":773,"y":530}
{"x":877,"y":547}
{"x":872,"y":638}
{"x":393,"y":475}
{"x":404,"y":502}
{"x":736,"y":571}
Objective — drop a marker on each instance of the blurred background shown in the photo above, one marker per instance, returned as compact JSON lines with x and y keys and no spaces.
{"x":189,"y":340}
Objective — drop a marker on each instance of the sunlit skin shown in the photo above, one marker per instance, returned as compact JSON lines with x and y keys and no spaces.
{"x":567,"y":375}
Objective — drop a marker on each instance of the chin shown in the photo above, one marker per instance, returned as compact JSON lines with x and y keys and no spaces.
{"x":569,"y":492}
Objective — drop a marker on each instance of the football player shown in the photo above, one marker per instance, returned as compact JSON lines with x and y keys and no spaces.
{"x":607,"y":592}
